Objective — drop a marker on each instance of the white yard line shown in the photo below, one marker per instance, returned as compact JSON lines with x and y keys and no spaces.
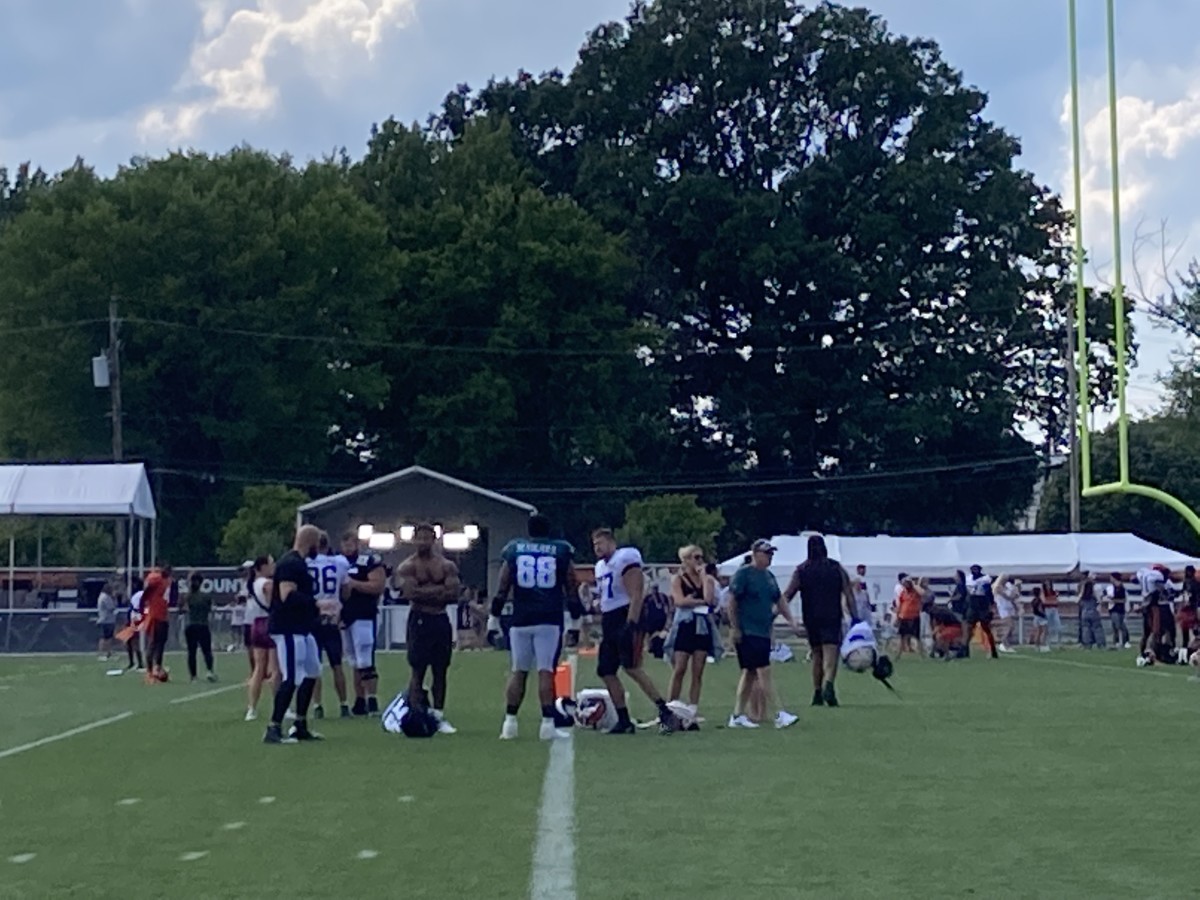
{"x":221,"y":690}
{"x":91,"y":726}
{"x":1084,"y":665}
{"x":554,"y":850}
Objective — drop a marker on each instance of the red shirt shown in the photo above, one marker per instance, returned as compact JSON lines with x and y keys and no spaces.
{"x":154,"y":597}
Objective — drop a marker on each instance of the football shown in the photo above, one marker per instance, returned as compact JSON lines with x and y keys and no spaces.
{"x":860,"y":659}
{"x":591,"y":711}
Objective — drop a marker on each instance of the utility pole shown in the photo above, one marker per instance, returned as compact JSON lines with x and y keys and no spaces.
{"x":1073,"y":427}
{"x":114,"y":368}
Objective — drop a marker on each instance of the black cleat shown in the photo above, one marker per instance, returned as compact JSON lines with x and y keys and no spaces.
{"x":274,"y":735}
{"x":830,"y":696}
{"x":360,"y":707}
{"x":318,"y":711}
{"x":301,"y":733}
{"x":668,"y":722}
{"x":623,"y":728}
{"x":695,"y":726}
{"x":372,"y":706}
{"x":818,"y":699}
{"x":345,"y":711}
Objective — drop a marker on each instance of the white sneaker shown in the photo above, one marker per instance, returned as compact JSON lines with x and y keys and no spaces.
{"x":549,"y":732}
{"x":1128,"y":646}
{"x":251,"y":715}
{"x":290,"y":715}
{"x":1003,"y":649}
{"x":785,"y":719}
{"x":1043,"y":649}
{"x":445,"y":727}
{"x":741,"y":722}
{"x":508,"y":731}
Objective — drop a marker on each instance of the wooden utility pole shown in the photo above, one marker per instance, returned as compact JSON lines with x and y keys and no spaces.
{"x":114,"y":373}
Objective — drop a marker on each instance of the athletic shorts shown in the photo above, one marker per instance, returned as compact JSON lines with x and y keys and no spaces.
{"x":979,"y":612}
{"x":329,"y":642}
{"x":299,"y":657}
{"x":619,"y":648}
{"x":358,"y":643}
{"x":430,"y":640}
{"x":822,"y":634}
{"x":107,"y":630}
{"x":534,"y":647}
{"x":688,"y":641}
{"x":754,"y":652}
{"x":909,"y":627}
{"x":258,"y":634}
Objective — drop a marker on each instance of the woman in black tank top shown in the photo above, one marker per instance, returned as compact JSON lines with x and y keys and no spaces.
{"x":693,"y":628}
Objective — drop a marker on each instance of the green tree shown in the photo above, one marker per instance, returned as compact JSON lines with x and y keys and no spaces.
{"x":660,"y":525}
{"x":265,"y":523}
{"x":1162,"y":454}
{"x":513,"y":356}
{"x":250,"y":294}
{"x":64,"y":542}
{"x":852,"y":275}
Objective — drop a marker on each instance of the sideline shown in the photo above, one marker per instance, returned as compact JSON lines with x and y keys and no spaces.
{"x":554,"y":850}
{"x":42,"y":742}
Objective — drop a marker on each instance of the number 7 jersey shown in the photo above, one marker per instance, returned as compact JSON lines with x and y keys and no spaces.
{"x":539,"y":572}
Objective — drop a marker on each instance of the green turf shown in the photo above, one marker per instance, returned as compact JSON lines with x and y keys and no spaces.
{"x":1015,"y":778}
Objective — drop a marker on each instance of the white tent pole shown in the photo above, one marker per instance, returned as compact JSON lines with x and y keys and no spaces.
{"x":12,"y":572}
{"x":39,"y":554}
{"x":141,"y":545}
{"x":154,"y":540}
{"x":129,"y":554}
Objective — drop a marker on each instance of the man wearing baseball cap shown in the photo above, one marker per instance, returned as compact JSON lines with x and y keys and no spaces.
{"x":754,"y":600}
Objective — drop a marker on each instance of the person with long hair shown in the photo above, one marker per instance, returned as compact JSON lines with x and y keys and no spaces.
{"x":197,"y":632}
{"x":1053,"y":619}
{"x":826,"y":596}
{"x":693,"y":592}
{"x":1117,"y":597}
{"x":1091,"y":627}
{"x":258,"y":636}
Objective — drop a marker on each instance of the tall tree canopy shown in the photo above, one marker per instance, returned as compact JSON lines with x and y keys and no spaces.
{"x":852,"y":274}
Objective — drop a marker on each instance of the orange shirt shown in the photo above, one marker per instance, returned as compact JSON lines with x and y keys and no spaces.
{"x":154,"y":597}
{"x":909,"y":605}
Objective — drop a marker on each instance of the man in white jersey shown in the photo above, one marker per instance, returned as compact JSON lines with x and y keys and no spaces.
{"x":622,"y":585}
{"x":329,"y":572}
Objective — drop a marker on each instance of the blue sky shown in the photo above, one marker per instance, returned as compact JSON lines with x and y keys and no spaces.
{"x":110,"y":79}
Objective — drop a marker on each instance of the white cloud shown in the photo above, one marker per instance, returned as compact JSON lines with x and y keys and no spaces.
{"x":1158,"y":113}
{"x":236,"y":66}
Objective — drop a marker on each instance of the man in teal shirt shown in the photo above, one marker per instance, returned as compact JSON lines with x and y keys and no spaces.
{"x":754,"y":600}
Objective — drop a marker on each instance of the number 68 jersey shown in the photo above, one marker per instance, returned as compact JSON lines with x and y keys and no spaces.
{"x":539,"y":572}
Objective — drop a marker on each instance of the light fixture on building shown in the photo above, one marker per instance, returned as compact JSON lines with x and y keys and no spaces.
{"x":407,"y":533}
{"x":365,"y":532}
{"x":437,"y":532}
{"x":382,"y":540}
{"x":456,"y":540}
{"x":472,"y":532}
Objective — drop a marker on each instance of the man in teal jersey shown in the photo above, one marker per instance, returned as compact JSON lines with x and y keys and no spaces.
{"x":538,"y":572}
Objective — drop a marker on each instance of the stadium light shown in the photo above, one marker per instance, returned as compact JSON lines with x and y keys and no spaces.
{"x":383,"y":540}
{"x":472,"y":532}
{"x":365,"y":532}
{"x":456,"y":540}
{"x":437,"y":532}
{"x":407,"y":533}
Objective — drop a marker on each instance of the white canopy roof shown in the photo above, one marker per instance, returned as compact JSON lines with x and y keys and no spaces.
{"x":109,"y":490}
{"x":1012,"y":554}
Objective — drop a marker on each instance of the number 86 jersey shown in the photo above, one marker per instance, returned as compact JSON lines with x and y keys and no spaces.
{"x":538,"y":571}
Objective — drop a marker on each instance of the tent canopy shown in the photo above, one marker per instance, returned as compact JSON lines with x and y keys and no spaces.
{"x":1012,"y":554}
{"x":106,"y":490}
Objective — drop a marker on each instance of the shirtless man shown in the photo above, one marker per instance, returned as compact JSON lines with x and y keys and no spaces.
{"x":430,"y":583}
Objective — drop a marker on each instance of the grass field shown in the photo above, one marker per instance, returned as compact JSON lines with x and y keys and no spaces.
{"x":1057,"y":776}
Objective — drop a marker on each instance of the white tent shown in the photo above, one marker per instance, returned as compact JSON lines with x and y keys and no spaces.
{"x":118,"y":491}
{"x":1014,"y":554}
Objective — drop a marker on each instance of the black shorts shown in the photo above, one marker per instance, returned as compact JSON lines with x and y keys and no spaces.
{"x":430,"y":640}
{"x":823,"y":634}
{"x":620,"y":648}
{"x":979,"y":613}
{"x":107,"y":631}
{"x":754,"y":652}
{"x":329,"y":642}
{"x":909,"y":627}
{"x":688,"y":641}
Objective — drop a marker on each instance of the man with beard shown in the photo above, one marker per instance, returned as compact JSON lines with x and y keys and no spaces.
{"x":293,"y":618}
{"x":431,"y":584}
